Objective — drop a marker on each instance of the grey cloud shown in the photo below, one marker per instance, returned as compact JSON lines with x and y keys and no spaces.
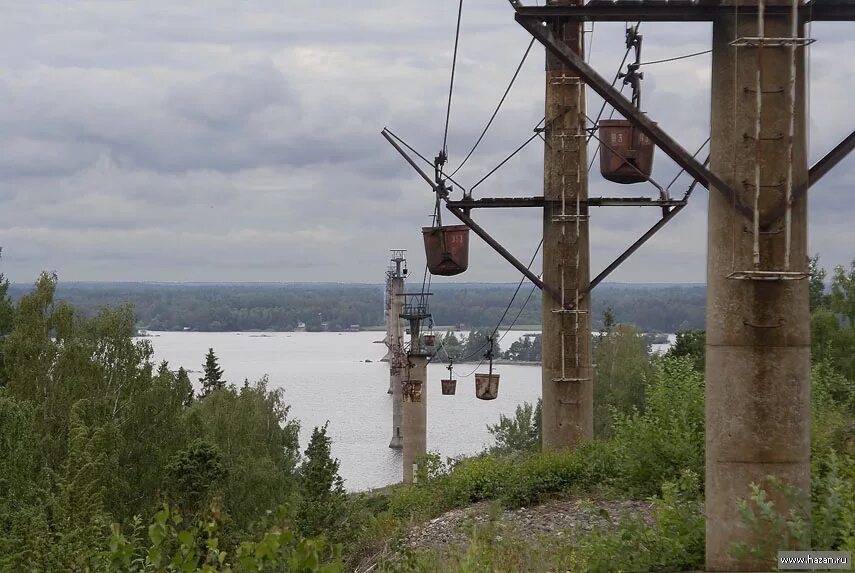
{"x":150,"y":141}
{"x":229,"y":99}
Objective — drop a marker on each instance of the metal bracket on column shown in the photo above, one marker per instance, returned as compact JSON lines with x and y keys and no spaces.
{"x":645,"y":237}
{"x":408,"y":159}
{"x":603,"y":87}
{"x":634,"y":247}
{"x":817,"y":172}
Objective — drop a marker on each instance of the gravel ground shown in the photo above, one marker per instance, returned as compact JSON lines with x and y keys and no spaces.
{"x":565,"y":517}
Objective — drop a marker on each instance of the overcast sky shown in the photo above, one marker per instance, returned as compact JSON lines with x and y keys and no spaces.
{"x":240,"y":141}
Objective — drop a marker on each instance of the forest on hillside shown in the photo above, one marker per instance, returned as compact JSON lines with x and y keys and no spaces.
{"x":280,"y":307}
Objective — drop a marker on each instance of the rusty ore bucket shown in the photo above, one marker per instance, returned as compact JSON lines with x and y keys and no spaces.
{"x":447,"y":249}
{"x":449,"y":387}
{"x":486,"y":386}
{"x":430,"y":339}
{"x":626,"y":154}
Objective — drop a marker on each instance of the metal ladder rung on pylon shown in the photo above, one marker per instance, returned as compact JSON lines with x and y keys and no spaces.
{"x":768,"y":275}
{"x":759,"y":42}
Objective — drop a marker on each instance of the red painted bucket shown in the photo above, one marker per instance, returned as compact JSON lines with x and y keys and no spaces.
{"x":446,"y":249}
{"x":449,"y":387}
{"x":486,"y":386}
{"x":626,"y":154}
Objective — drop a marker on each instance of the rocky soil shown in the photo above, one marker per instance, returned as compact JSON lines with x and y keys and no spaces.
{"x":566,"y":517}
{"x":557,"y":518}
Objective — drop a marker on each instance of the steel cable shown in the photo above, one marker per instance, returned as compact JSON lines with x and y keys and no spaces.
{"x":422,"y":157}
{"x":451,"y":84}
{"x":498,"y":107}
{"x":508,"y":308}
{"x":674,"y":59}
{"x":616,"y":78}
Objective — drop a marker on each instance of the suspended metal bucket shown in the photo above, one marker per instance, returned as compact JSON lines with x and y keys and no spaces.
{"x":430,"y":339}
{"x":411,"y":390}
{"x":447,"y":249}
{"x":486,"y":386}
{"x":626,"y":154}
{"x":449,"y":387}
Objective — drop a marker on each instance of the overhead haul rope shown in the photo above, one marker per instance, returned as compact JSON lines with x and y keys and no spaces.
{"x":498,"y":107}
{"x":507,"y":309}
{"x":440,"y":160}
{"x":537,"y":128}
{"x":531,"y":291}
{"x":519,"y":313}
{"x":451,"y":83}
{"x":683,"y":170}
{"x":537,"y":132}
{"x":422,"y":157}
{"x":616,"y":78}
{"x":674,"y":59}
{"x":618,"y":75}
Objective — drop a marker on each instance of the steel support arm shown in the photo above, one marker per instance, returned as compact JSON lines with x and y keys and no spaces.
{"x":634,"y":247}
{"x":603,"y":87}
{"x":467,"y":220}
{"x":830,"y":160}
{"x":409,"y":159}
{"x":817,"y":171}
{"x":646,"y":236}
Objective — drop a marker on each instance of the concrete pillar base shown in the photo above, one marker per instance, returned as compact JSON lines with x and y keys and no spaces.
{"x":414,"y":395}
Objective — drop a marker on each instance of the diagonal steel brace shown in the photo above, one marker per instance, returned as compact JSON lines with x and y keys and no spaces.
{"x":467,"y":220}
{"x":817,"y":171}
{"x":463,"y":215}
{"x":603,"y":87}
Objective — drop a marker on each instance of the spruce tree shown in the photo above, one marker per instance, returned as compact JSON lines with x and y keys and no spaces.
{"x":213,"y":378}
{"x":184,"y":387}
{"x":322,"y":488}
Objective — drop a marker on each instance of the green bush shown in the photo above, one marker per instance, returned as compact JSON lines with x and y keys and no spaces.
{"x":169,"y":544}
{"x":690,"y":343}
{"x":773,"y":531}
{"x":445,"y":486}
{"x":833,"y":502}
{"x":478,"y":478}
{"x":520,"y":433}
{"x":541,"y":476}
{"x":655,"y":445}
{"x":622,"y":367}
{"x":673,"y":542}
{"x":194,"y":475}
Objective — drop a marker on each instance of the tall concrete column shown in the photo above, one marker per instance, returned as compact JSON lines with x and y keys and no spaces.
{"x":397,"y":362}
{"x":567,"y":374}
{"x":758,"y":332}
{"x":414,"y":413}
{"x":387,"y":319}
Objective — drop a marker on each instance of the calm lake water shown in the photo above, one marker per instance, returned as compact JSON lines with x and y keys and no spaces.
{"x":325,"y":377}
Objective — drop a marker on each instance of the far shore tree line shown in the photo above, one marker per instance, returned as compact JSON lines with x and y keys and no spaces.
{"x":338,"y":307}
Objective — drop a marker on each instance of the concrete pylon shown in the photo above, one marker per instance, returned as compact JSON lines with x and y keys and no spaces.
{"x":568,"y":396}
{"x":758,"y":331}
{"x":397,"y":362}
{"x":414,"y":391}
{"x":387,"y":314}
